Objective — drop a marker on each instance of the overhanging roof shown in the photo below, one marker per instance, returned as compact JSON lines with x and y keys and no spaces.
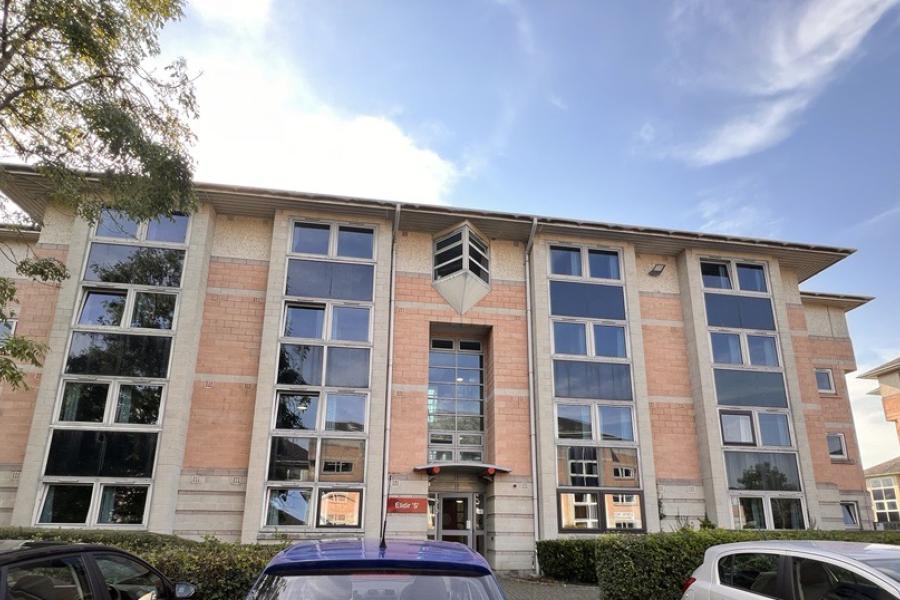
{"x":845,"y":302}
{"x":888,"y":367}
{"x":889,"y":467}
{"x":28,"y":189}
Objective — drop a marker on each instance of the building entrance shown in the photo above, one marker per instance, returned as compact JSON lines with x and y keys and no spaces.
{"x":459,"y":517}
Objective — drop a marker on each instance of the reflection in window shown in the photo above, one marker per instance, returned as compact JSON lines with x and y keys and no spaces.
{"x":750,"y":388}
{"x":342,"y":460}
{"x":118,"y":354}
{"x":588,"y":300}
{"x":116,"y":224}
{"x":579,"y":511}
{"x":347,"y":367}
{"x":748,"y":513}
{"x":168,"y":229}
{"x":340,"y":508}
{"x":288,"y":506}
{"x":292,"y":459}
{"x":739,"y":312}
{"x":297,"y":411}
{"x":345,"y":412}
{"x":772,"y":471}
{"x":153,"y":311}
{"x":102,"y":308}
{"x":122,"y":505}
{"x":574,"y":421}
{"x":304,"y":321}
{"x":715,"y":275}
{"x":757,"y":573}
{"x":311,"y":238}
{"x":331,"y":280}
{"x":114,"y":263}
{"x":300,"y":364}
{"x":577,"y":466}
{"x":787,"y":513}
{"x":585,"y":379}
{"x":623,"y":511}
{"x":615,"y":423}
{"x":65,"y":503}
{"x":85,"y":402}
{"x":138,"y":404}
{"x":101,"y":453}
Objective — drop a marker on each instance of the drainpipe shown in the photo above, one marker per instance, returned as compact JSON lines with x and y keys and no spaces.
{"x":531,"y":400}
{"x":388,"y":398}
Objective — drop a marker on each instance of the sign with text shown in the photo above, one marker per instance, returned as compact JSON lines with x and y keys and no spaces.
{"x":399,"y":504}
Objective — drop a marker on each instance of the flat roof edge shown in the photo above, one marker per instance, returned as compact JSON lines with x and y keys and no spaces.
{"x":846,"y":301}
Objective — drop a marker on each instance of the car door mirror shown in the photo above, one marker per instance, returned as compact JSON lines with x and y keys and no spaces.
{"x":184,"y":589}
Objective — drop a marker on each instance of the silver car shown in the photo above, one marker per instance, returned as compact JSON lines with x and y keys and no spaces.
{"x":797,"y":570}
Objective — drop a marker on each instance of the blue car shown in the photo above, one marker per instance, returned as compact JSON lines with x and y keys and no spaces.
{"x":365,"y":569}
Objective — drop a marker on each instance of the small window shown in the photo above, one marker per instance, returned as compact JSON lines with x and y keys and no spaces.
{"x":304,"y":321}
{"x":757,"y":573}
{"x":297,"y":411}
{"x":347,"y":367}
{"x":609,"y":341}
{"x":138,"y":404}
{"x":292,"y":459}
{"x":748,"y":513}
{"x":737,"y":428}
{"x":579,"y":511}
{"x":300,"y":364}
{"x":355,"y":242}
{"x":49,"y":578}
{"x":623,"y":511}
{"x":565,"y":261}
{"x":824,"y":381}
{"x":153,"y":311}
{"x":715,"y":275}
{"x":726,"y":348}
{"x":345,"y":412}
{"x":84,"y":402}
{"x":569,"y":338}
{"x":774,"y":429}
{"x":350,"y":454}
{"x":168,"y":229}
{"x":470,"y":345}
{"x":350,"y":324}
{"x":311,"y":238}
{"x":603,"y":264}
{"x":442,"y":344}
{"x":615,"y":423}
{"x":763,"y":351}
{"x":837,"y":447}
{"x":102,"y":307}
{"x":850,"y":514}
{"x":577,"y":466}
{"x":574,"y":421}
{"x":116,"y":224}
{"x":340,"y":508}
{"x":7,"y":329}
{"x":122,"y":504}
{"x":66,"y":504}
{"x":288,"y":507}
{"x":752,"y":278}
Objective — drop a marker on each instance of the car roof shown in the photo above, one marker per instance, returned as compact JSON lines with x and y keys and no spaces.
{"x":859,"y":551}
{"x":16,"y":550}
{"x":365,"y":554}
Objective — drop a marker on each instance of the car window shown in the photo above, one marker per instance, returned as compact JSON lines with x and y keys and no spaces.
{"x":754,"y":572}
{"x":376,"y":586}
{"x":127,"y":579}
{"x":817,"y":580}
{"x":50,"y":579}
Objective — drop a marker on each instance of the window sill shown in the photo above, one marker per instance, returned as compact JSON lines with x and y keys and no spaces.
{"x":842,"y":461}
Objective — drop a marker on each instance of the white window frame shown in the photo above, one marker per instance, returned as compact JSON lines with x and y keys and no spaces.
{"x":767,"y":498}
{"x":596,"y":438}
{"x":584,"y":250}
{"x":334,"y":227}
{"x":140,"y":238}
{"x":743,"y":335}
{"x":830,"y":373}
{"x":757,"y":444}
{"x":131,"y":292}
{"x":93,"y":515}
{"x":844,"y":454}
{"x":732,"y":264}
{"x":854,"y":510}
{"x":468,"y":232}
{"x":456,"y":448}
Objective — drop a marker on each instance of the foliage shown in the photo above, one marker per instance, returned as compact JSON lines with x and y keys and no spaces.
{"x":85,"y":99}
{"x":655,"y":565}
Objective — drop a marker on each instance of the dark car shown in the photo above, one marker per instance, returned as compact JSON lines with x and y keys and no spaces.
{"x":400,"y":570}
{"x":60,"y":571}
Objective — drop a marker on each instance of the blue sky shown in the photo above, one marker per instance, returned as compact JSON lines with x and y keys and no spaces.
{"x":770,"y":119}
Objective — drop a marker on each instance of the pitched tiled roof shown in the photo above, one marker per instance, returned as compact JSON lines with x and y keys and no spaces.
{"x":889,"y":467}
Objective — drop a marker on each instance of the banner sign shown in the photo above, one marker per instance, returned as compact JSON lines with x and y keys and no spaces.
{"x":399,"y":504}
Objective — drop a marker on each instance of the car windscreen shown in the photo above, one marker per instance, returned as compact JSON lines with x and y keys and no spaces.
{"x":888,"y":566}
{"x":376,"y":586}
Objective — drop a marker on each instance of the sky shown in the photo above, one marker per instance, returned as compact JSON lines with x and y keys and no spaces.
{"x":767,"y":119}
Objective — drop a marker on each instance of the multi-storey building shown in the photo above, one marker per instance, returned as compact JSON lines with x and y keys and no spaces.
{"x":288,"y":364}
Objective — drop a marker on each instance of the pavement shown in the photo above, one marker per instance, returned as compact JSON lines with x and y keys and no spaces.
{"x":528,"y":589}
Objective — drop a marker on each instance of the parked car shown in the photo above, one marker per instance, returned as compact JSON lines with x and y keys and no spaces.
{"x":400,"y":570}
{"x":61,"y":571}
{"x":797,"y":570}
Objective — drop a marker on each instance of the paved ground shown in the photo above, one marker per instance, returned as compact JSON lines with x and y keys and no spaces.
{"x":523,"y":589}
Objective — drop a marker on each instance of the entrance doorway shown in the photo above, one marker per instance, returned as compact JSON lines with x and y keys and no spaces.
{"x":459,"y":517}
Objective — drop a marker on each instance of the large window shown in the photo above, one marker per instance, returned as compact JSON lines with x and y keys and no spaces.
{"x":598,"y":463}
{"x":884,"y":499}
{"x":317,"y":453}
{"x":109,"y":411}
{"x":455,"y":401}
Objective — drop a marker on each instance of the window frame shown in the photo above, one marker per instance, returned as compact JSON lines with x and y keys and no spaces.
{"x":140,"y":238}
{"x":12,"y":322}
{"x":131,"y":292}
{"x":468,"y":232}
{"x":845,"y":454}
{"x":596,"y":439}
{"x":744,"y":342}
{"x":757,"y":444}
{"x":600,"y":493}
{"x":854,"y":506}
{"x":584,"y":250}
{"x":731,"y":265}
{"x":92,"y":520}
{"x":830,"y":373}
{"x":327,"y":338}
{"x":767,"y":497}
{"x":334,"y":227}
{"x":883,"y":483}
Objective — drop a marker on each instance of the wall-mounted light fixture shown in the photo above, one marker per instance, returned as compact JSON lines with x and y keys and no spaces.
{"x":657,"y":269}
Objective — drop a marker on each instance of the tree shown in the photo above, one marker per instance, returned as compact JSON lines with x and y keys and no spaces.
{"x":84,"y":99}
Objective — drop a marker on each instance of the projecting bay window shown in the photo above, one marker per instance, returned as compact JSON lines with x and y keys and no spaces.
{"x":317,"y":453}
{"x":107,"y":420}
{"x":461,"y":250}
{"x":598,"y":462}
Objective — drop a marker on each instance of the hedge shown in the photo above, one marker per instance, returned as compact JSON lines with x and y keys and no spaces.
{"x":221,"y":571}
{"x":627,"y":567}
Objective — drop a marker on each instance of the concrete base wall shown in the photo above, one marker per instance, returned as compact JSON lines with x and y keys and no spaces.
{"x":9,"y":483}
{"x":832,"y":517}
{"x":509,"y":524}
{"x":210,"y":502}
{"x":681,"y":502}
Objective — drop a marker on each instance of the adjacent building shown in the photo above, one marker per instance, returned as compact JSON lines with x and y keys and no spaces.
{"x":882,"y":479}
{"x":289,"y":364}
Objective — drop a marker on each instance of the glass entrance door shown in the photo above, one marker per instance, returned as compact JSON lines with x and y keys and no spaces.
{"x":456,"y":518}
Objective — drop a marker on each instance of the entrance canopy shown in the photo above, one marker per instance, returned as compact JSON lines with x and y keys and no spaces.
{"x":483,"y":469}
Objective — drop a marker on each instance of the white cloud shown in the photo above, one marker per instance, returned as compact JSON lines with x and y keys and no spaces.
{"x":241,"y":15}
{"x":261,"y":124}
{"x":558,"y":102}
{"x":736,"y":209}
{"x":769,"y":60}
{"x":877,"y":437}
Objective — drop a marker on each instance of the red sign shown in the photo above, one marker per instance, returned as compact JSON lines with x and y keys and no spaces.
{"x":397,"y":504}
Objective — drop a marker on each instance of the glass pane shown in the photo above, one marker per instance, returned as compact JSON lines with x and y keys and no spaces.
{"x":355,"y":242}
{"x":292,"y":459}
{"x":787,"y":513}
{"x":715,"y":275}
{"x":469,"y":361}
{"x":569,"y":338}
{"x":440,"y":438}
{"x":823,"y":380}
{"x":762,"y":350}
{"x":452,"y":239}
{"x":102,"y":308}
{"x":750,"y":388}
{"x":339,"y":508}
{"x":448,"y":254}
{"x":304,"y":321}
{"x":602,"y":381}
{"x":619,"y":467}
{"x":565,"y":261}
{"x":748,"y":513}
{"x":470,"y":440}
{"x":83,"y":401}
{"x":350,"y":324}
{"x":101,"y":453}
{"x":300,"y":364}
{"x":762,"y":471}
{"x":168,"y":229}
{"x":345,"y":412}
{"x":342,"y":460}
{"x":849,"y":513}
{"x":757,"y":573}
{"x":623,"y":511}
{"x":288,"y":507}
{"x":125,"y":578}
{"x":473,"y":376}
{"x":440,"y":455}
{"x":116,"y":224}
{"x":609,"y":341}
{"x":615,"y":423}
{"x":579,"y":511}
{"x":448,"y":269}
{"x":835,"y":446}
{"x":737,"y":428}
{"x":66,"y":503}
{"x":752,"y":278}
{"x":577,"y":465}
{"x":739,"y":312}
{"x":115,"y":263}
{"x":122,"y":505}
{"x":310,"y":238}
{"x":336,"y":281}
{"x":588,"y":300}
{"x":348,"y":367}
{"x":574,"y":421}
{"x":153,"y":311}
{"x":48,"y":579}
{"x":603,"y":264}
{"x":297,"y":411}
{"x":479,"y":271}
{"x":138,"y":404}
{"x":726,"y":348}
{"x":774,"y":430}
{"x":119,"y":354}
